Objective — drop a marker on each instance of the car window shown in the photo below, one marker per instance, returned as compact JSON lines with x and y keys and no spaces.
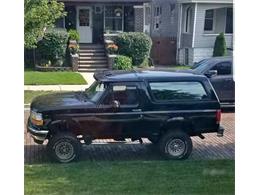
{"x":223,"y":68}
{"x":124,"y":94}
{"x":175,"y":91}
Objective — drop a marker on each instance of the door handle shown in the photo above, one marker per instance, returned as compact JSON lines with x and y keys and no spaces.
{"x":137,"y":110}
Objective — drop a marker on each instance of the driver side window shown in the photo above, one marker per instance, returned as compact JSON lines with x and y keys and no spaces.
{"x":126,"y":95}
{"x":223,"y":68}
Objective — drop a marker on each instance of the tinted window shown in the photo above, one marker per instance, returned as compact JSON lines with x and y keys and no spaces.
{"x":223,"y":68}
{"x":209,"y":17}
{"x":125,"y":94}
{"x":171,"y":91}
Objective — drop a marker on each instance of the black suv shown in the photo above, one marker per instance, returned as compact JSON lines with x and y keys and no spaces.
{"x":165,"y":107}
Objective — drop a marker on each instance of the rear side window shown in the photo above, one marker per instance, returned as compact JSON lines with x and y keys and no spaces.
{"x":176,"y":91}
{"x":223,"y":68}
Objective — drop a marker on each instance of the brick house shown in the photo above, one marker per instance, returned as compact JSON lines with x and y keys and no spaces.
{"x":183,"y":31}
{"x":94,"y":19}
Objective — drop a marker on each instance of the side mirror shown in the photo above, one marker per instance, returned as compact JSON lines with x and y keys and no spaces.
{"x":211,"y":73}
{"x":115,"y":104}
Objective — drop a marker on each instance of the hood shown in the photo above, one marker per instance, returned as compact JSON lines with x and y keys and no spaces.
{"x":57,"y":101}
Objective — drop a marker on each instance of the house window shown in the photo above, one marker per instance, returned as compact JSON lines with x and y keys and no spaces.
{"x":114,"y":18}
{"x":209,"y":20}
{"x":188,"y":20}
{"x":172,"y":10}
{"x":157,"y":17}
{"x":229,"y":20}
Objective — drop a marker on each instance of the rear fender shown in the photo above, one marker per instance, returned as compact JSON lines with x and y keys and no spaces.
{"x":177,"y":123}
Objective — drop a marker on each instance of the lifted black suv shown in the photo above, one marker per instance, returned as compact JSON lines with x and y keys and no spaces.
{"x":165,"y":107}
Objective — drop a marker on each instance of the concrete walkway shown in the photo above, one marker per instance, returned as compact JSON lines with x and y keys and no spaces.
{"x":87,"y":76}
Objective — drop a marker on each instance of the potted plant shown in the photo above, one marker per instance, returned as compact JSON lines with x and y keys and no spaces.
{"x":112,"y":48}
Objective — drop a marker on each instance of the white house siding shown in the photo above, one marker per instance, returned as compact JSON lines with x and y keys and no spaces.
{"x":182,"y":56}
{"x":203,"y":43}
{"x":168,"y":24}
{"x":203,"y":40}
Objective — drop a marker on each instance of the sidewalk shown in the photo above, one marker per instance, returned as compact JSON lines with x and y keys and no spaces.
{"x":87,"y":76}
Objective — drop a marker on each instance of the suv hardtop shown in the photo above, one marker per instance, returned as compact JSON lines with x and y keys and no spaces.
{"x":165,"y":107}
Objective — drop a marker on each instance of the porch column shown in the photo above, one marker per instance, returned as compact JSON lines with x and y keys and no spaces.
{"x":139,"y":18}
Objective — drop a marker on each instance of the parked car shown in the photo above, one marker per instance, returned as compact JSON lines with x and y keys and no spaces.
{"x":165,"y":107}
{"x":219,"y":70}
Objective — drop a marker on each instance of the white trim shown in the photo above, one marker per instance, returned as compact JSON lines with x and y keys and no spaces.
{"x":138,"y":6}
{"x":143,"y":18}
{"x":201,"y":1}
{"x":194,"y":24}
{"x":188,"y":30}
{"x":180,"y":27}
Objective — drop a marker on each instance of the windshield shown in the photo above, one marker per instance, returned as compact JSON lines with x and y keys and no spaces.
{"x":95,"y":91}
{"x":201,"y":66}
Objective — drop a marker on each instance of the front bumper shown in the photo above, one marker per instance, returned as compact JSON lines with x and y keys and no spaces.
{"x":39,"y":135}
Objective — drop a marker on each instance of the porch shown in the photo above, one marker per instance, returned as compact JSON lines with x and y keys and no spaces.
{"x":200,"y":24}
{"x":94,"y":18}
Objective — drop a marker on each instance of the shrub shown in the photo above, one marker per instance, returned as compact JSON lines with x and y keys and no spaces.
{"x":136,"y":45}
{"x":122,"y":63}
{"x":220,"y":48}
{"x":73,"y":35}
{"x":53,"y":46}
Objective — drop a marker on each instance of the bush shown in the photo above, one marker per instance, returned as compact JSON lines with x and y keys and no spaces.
{"x":122,"y":63}
{"x":135,"y":45}
{"x":53,"y":46}
{"x":220,"y":48}
{"x":73,"y":35}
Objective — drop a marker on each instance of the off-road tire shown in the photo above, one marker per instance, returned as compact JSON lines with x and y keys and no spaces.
{"x":170,"y":140}
{"x":63,"y":143}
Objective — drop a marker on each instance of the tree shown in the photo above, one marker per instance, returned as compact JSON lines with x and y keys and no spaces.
{"x":220,"y":48}
{"x":39,"y":15}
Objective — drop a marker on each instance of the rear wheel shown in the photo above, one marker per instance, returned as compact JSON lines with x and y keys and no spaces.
{"x":64,"y":148}
{"x":175,"y":145}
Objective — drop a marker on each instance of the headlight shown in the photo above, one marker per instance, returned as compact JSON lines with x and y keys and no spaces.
{"x":36,"y":118}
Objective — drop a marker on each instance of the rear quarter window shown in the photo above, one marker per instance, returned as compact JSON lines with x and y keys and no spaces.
{"x":177,"y":91}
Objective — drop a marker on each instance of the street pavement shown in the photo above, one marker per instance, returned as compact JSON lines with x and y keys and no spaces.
{"x":212,"y":147}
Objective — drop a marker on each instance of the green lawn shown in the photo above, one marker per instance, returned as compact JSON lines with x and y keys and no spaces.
{"x":29,"y":95}
{"x":132,"y":177}
{"x":53,"y":78}
{"x":182,"y":67}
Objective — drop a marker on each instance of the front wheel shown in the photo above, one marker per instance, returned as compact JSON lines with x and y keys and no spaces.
{"x":175,"y":145}
{"x":64,"y":148}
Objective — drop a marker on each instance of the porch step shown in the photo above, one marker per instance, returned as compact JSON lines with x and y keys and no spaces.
{"x":92,"y":69}
{"x":91,"y":46}
{"x":92,"y":58}
{"x":92,"y":66}
{"x":81,"y":61}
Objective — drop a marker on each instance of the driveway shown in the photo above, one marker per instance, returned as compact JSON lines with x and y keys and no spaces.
{"x":212,"y":147}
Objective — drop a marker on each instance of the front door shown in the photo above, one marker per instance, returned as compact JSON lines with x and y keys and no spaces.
{"x":125,"y":120}
{"x":84,"y":24}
